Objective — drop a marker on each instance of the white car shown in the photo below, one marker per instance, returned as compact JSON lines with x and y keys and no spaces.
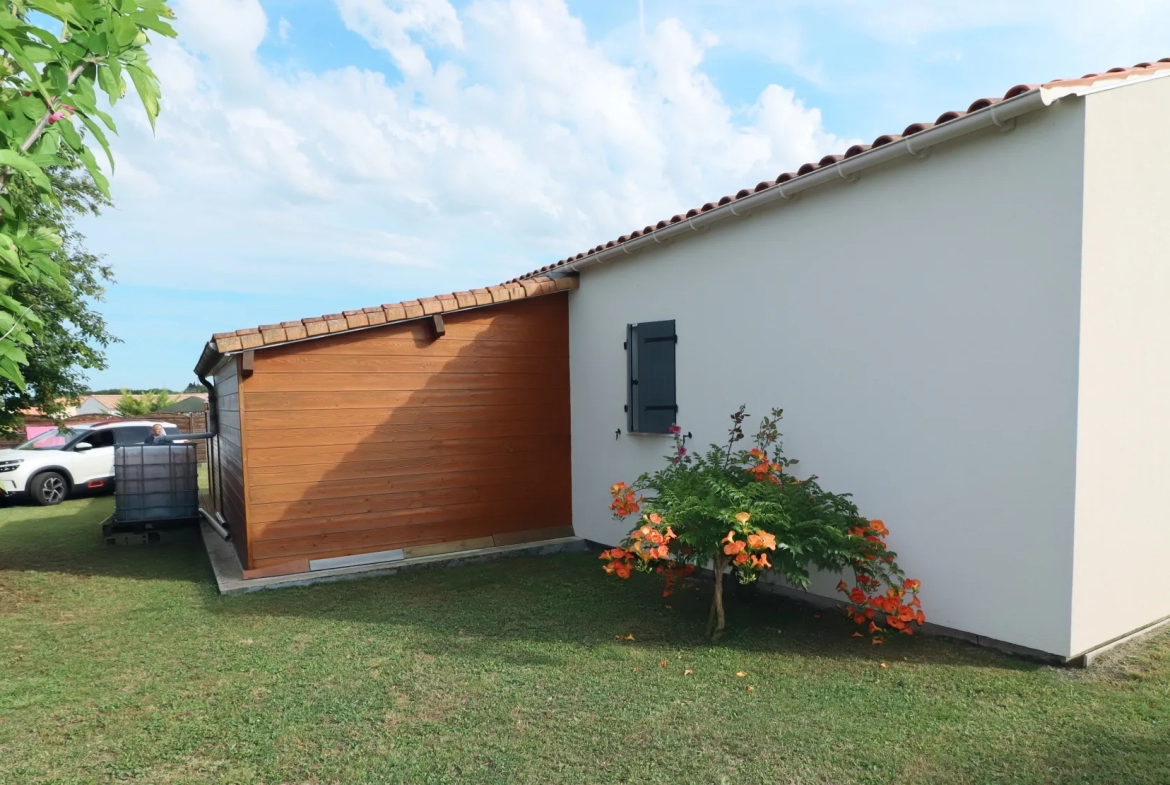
{"x":57,"y":463}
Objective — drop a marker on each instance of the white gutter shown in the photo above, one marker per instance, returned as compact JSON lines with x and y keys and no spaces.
{"x":1001,"y":115}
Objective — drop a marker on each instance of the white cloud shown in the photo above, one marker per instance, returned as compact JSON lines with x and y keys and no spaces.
{"x":509,"y":139}
{"x":392,"y":29}
{"x":283,"y":28}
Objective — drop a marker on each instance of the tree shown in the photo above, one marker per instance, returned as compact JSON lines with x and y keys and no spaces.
{"x":75,"y":335}
{"x":739,"y":510}
{"x":195,"y":387}
{"x":48,"y":83}
{"x":135,"y":406}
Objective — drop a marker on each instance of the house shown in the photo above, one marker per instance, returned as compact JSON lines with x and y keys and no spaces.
{"x":965,"y":322}
{"x":187,"y":402}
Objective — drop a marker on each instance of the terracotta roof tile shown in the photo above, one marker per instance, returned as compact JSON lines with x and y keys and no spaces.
{"x":313,"y":326}
{"x":273,"y":333}
{"x":356,"y":319}
{"x":375,"y":315}
{"x":1140,"y":70}
{"x":465,"y":299}
{"x":294,"y":331}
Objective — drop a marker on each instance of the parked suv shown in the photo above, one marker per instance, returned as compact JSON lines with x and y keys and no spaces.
{"x":57,"y":463}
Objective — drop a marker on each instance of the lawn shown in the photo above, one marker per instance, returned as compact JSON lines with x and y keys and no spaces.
{"x":124,"y":665}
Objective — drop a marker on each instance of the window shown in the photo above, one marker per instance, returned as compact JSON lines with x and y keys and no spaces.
{"x":135,"y":435}
{"x":97,"y":439}
{"x":650,"y":362}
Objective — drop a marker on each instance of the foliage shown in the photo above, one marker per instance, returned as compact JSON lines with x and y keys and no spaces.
{"x":195,"y":387}
{"x":739,"y":510}
{"x":137,"y":405}
{"x":48,"y":84}
{"x":75,"y":335}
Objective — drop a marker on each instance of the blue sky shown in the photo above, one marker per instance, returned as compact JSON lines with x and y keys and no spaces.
{"x":315,"y":156}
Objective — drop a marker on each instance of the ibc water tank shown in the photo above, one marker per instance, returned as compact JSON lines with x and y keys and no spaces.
{"x":155,"y":483}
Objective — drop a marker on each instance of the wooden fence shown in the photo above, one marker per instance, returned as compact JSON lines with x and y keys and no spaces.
{"x":193,"y":422}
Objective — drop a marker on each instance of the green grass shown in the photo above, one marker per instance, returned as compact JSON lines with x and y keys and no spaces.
{"x":124,"y":665}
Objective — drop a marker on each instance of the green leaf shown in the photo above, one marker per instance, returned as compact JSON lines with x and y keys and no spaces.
{"x":16,"y":52}
{"x":91,"y":165}
{"x":152,"y":22}
{"x":9,"y":349}
{"x":100,"y":135}
{"x":146,"y":84}
{"x":11,"y":371}
{"x":113,"y":86}
{"x":16,"y":161}
{"x":125,"y":31}
{"x":55,"y":9}
{"x":69,"y":134}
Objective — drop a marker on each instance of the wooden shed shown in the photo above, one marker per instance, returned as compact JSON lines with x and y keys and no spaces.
{"x":404,"y":430}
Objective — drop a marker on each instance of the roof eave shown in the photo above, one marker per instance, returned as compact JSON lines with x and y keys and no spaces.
{"x":224,"y":345}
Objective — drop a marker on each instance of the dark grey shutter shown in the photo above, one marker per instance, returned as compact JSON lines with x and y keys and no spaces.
{"x":652,"y":384}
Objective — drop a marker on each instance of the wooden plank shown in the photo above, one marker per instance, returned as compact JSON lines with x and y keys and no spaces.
{"x":269,"y":461}
{"x":320,"y":545}
{"x":386,"y":498}
{"x":509,"y":514}
{"x":314,"y":437}
{"x":554,"y":382}
{"x":259,"y":421}
{"x":390,"y":399}
{"x":324,"y":482}
{"x":532,"y":535}
{"x":379,"y":364}
{"x":439,"y":548}
{"x":279,"y":568}
{"x":408,"y":345}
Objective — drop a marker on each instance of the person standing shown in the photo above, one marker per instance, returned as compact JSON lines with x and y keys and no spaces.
{"x":157,"y":435}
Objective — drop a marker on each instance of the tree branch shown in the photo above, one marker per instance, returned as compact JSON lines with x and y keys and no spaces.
{"x":39,"y":128}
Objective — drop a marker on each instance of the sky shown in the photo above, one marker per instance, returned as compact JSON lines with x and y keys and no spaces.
{"x":315,"y":156}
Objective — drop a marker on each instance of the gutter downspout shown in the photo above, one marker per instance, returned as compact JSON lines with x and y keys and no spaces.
{"x":1001,"y":115}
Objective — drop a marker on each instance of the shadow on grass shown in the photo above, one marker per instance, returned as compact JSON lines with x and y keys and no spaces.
{"x":67,"y":539}
{"x":565,"y":600}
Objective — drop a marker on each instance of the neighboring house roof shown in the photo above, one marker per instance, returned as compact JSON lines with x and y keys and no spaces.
{"x":316,"y":326}
{"x":108,"y":401}
{"x":1025,"y":96}
{"x":187,"y":403}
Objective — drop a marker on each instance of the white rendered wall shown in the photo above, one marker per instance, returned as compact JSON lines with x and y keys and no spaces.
{"x":1123,"y":448}
{"x":920,"y":329}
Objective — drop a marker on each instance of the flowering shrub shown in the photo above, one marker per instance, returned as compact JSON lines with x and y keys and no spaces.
{"x":740,"y":511}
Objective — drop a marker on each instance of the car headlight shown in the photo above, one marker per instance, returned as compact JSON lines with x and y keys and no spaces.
{"x":10,"y":466}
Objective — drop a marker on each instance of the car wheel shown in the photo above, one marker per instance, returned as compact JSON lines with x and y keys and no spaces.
{"x":49,"y":488}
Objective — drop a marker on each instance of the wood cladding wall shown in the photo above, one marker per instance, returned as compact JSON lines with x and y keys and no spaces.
{"x":392,"y":438}
{"x":227,"y":459}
